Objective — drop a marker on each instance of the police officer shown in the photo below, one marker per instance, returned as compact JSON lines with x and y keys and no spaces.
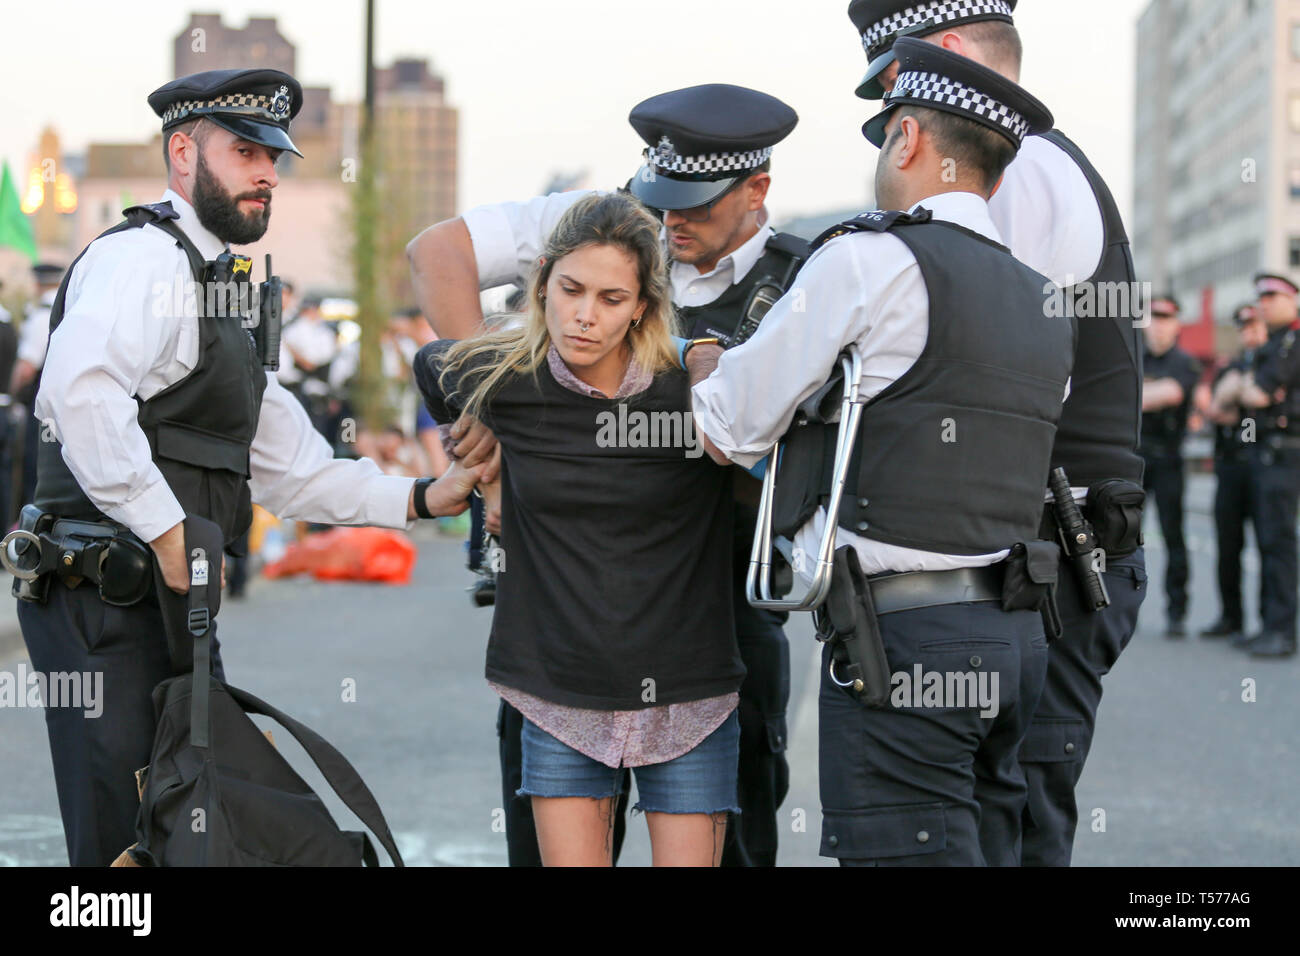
{"x":963,"y":368}
{"x":25,"y":377}
{"x":1170,"y":377}
{"x":1057,"y":215}
{"x":706,"y":168}
{"x":1233,"y":436}
{"x":164,"y":414}
{"x":1272,"y":390}
{"x":8,"y":355}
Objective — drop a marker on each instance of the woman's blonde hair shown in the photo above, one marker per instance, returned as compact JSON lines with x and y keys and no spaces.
{"x":613,"y":219}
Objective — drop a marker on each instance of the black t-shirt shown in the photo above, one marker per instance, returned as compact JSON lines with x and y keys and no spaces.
{"x":1164,"y":430}
{"x":616,"y":592}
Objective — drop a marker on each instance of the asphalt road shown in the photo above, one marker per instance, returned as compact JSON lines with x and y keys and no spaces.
{"x":1184,"y":770}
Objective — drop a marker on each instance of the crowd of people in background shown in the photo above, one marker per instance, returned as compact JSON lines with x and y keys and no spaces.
{"x":1256,"y":470}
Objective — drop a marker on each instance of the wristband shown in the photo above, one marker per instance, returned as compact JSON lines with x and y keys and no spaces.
{"x":690,"y":344}
{"x":422,"y":509}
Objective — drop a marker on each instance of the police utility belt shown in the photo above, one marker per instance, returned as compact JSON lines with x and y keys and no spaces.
{"x":102,"y":553}
{"x":1025,"y":580}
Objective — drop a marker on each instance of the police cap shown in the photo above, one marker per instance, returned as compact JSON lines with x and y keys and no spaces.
{"x":881,"y":22}
{"x":255,"y":105}
{"x":935,"y":78}
{"x":1165,"y":306}
{"x":1267,"y":284}
{"x":702,"y":139}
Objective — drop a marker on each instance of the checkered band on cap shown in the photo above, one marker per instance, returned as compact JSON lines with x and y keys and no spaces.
{"x":934,"y":88}
{"x":666,"y":158}
{"x":274,"y":109}
{"x":940,"y":12}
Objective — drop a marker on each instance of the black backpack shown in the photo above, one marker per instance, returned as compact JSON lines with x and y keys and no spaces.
{"x":217,"y":792}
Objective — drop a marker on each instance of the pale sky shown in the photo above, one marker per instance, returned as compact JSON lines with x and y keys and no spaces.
{"x":545,"y":87}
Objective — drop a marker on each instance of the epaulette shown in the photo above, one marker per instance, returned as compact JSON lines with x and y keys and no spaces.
{"x":874,"y":221}
{"x":150,"y":212}
{"x":789,"y":245}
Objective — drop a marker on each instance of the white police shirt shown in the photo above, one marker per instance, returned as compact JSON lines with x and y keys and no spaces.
{"x":863,"y":288}
{"x":1049,"y":218}
{"x":1047,"y":213}
{"x":508,"y":238}
{"x":123,"y":336}
{"x":35,"y":333}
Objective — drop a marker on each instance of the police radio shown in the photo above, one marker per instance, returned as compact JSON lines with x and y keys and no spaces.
{"x":270,"y":316}
{"x":759,"y":303}
{"x":767,"y":290}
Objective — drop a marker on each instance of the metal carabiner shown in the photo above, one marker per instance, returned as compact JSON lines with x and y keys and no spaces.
{"x":855,"y":685}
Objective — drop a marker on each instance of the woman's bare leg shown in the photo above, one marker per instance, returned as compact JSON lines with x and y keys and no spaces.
{"x":575,"y":831}
{"x":686,"y":839}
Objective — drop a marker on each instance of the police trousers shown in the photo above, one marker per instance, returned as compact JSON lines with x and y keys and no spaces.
{"x":95,"y":758}
{"x":1164,"y":480}
{"x":1276,"y":483}
{"x":934,"y":779}
{"x":1233,"y":504}
{"x":1060,"y":735}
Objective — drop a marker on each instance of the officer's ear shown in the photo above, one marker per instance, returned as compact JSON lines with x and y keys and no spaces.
{"x":756,"y":190}
{"x":909,"y":141}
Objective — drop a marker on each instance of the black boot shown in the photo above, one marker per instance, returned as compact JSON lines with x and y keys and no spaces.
{"x":1176,"y":628}
{"x":1222,"y":628}
{"x":1273,"y":644}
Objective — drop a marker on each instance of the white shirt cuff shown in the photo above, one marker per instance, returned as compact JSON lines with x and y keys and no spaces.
{"x":386,"y":502}
{"x":150,"y":512}
{"x":716,"y":429}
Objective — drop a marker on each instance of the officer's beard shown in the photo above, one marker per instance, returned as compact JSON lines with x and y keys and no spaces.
{"x":219,"y":211}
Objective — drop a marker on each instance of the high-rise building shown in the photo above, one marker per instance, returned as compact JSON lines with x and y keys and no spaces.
{"x":1217,"y":148}
{"x":310,"y":225}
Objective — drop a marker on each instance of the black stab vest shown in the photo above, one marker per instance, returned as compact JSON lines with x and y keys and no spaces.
{"x":1281,"y":418}
{"x":1099,"y":431}
{"x":953,"y":456}
{"x":782,"y":257}
{"x":200,"y":429}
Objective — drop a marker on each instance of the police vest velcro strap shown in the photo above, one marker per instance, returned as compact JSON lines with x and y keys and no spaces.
{"x":877,"y":220}
{"x":911,"y":590}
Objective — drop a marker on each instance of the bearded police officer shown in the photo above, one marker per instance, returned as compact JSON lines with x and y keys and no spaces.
{"x":1272,"y":391}
{"x":1233,"y":497}
{"x":964,"y":368}
{"x":706,"y":169}
{"x":1169,"y":379}
{"x":1057,"y":215}
{"x":166,"y":419}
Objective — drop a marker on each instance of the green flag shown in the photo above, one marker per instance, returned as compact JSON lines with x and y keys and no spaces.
{"x":15,"y":228}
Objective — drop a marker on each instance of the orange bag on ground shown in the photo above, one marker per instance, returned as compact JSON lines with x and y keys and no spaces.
{"x":349,"y":554}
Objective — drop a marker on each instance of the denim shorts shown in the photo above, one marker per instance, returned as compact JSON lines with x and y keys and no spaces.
{"x":702,"y":780}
